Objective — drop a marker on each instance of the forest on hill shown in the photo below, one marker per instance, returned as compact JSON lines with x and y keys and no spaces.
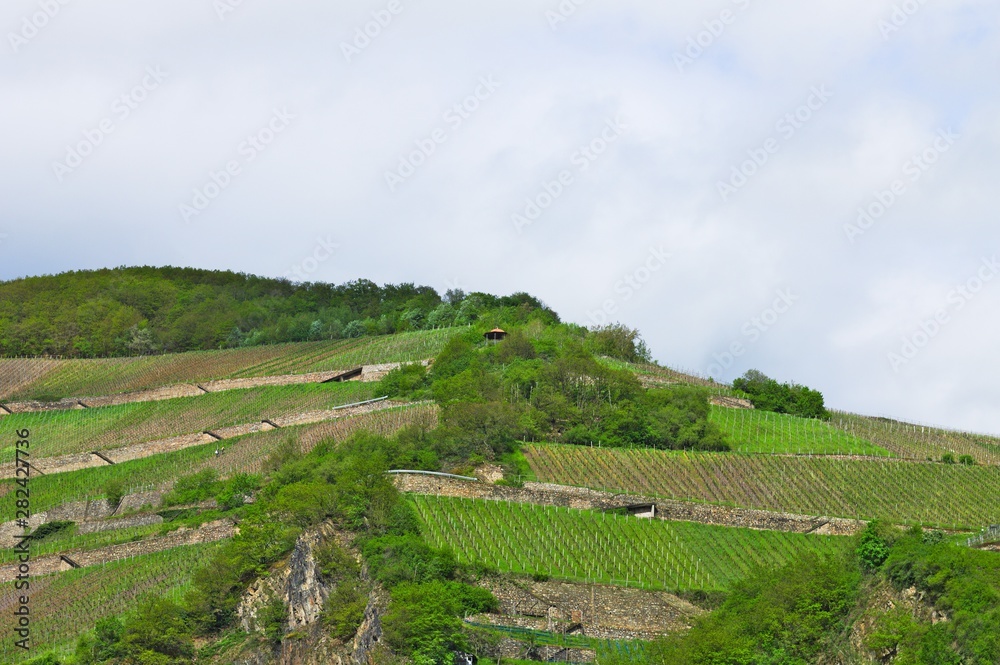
{"x":145,"y":310}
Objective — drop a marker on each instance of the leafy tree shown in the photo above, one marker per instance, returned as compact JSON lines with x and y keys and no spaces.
{"x":767,"y":394}
{"x":618,"y":341}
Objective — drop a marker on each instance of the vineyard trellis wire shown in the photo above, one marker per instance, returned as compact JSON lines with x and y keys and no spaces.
{"x":606,"y":548}
{"x":901,"y":491}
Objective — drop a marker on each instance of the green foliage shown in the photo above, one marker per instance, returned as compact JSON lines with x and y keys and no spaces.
{"x":873,"y":546}
{"x":768,"y":394}
{"x":143,"y":310}
{"x":546,"y":383}
{"x":962,"y":583}
{"x":423,"y":620}
{"x":114,"y":491}
{"x":156,"y":634}
{"x":618,"y":341}
{"x":408,"y":382}
{"x":236,"y":490}
{"x":967,"y":460}
{"x":51,"y":529}
{"x":394,"y":560}
{"x":948,"y":458}
{"x":273,"y":618}
{"x":193,"y":488}
{"x":777,"y":616}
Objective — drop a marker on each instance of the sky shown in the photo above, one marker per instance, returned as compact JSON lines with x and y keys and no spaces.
{"x":801,"y":188}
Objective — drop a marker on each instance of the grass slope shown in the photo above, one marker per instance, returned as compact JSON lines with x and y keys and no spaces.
{"x":899,"y":491}
{"x":590,"y":546}
{"x":753,"y":431}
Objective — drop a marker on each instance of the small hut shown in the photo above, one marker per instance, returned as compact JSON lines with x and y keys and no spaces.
{"x":495,"y":335}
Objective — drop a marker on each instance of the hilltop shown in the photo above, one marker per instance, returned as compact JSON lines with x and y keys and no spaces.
{"x":146,"y":310}
{"x":428,"y":492}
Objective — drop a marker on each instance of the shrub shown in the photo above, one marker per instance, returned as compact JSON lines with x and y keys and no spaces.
{"x":948,"y":458}
{"x":872,"y":548}
{"x":791,"y":398}
{"x":967,"y":460}
{"x":114,"y":492}
{"x":51,"y":528}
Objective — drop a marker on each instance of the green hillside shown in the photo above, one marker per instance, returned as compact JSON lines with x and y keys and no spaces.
{"x":551,"y":402}
{"x":906,"y":492}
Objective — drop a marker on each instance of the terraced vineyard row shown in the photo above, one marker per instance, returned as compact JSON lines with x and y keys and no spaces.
{"x":25,"y":379}
{"x":753,"y":431}
{"x":941,"y":495}
{"x":66,"y":432}
{"x":919,"y":441}
{"x":64,"y":604}
{"x":590,"y":546}
{"x":60,"y":544}
{"x":246,"y":454}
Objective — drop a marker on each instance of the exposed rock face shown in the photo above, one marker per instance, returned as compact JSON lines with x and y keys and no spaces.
{"x":300,"y":586}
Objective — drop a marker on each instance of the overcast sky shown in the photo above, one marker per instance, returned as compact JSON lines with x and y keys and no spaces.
{"x":799,"y":187}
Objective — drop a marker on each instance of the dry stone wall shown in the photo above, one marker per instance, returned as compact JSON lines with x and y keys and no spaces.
{"x":208,"y":533}
{"x":368,"y":373}
{"x":600,"y":611}
{"x":587,"y":499}
{"x":77,"y":461}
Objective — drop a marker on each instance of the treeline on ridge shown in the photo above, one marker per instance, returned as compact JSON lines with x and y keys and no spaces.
{"x":145,"y":310}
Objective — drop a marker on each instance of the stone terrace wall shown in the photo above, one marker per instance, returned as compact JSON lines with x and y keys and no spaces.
{"x":605,"y":612}
{"x":77,"y":461}
{"x":208,"y":533}
{"x":586,"y":499}
{"x":368,"y":373}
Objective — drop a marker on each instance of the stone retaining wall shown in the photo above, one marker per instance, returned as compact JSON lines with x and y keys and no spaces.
{"x":119,"y":523}
{"x":208,"y":533}
{"x":368,"y":373}
{"x":587,"y":499}
{"x":77,"y":461}
{"x":604,"y":612}
{"x":81,"y":512}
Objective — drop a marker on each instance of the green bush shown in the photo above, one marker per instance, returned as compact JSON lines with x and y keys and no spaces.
{"x":51,"y":528}
{"x":948,"y":458}
{"x":767,"y":394}
{"x":873,"y":548}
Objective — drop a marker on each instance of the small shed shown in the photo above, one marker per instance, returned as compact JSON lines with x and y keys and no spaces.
{"x":642,"y":510}
{"x":495,"y":335}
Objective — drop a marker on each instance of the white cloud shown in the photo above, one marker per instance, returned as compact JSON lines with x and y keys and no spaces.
{"x":324,"y":176}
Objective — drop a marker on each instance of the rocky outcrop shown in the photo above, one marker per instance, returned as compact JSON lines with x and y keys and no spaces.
{"x":299,"y":585}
